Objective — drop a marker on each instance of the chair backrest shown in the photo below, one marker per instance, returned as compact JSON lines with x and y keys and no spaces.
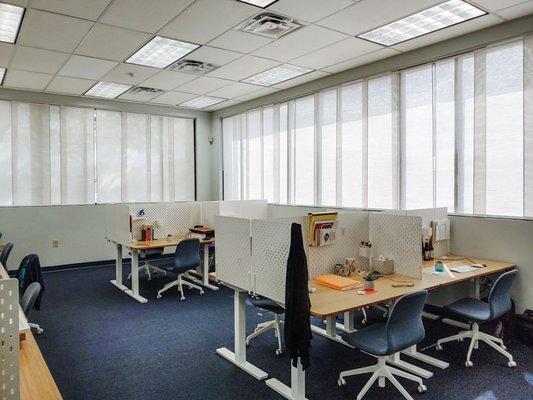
{"x":29,"y":298}
{"x":404,"y":326}
{"x":187,"y":254}
{"x":499,"y":299}
{"x":5,"y":254}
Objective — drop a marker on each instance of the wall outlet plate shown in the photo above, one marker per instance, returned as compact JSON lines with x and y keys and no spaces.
{"x":55,"y":243}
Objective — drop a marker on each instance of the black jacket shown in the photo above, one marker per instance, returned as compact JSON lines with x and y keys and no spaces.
{"x":297,"y":304}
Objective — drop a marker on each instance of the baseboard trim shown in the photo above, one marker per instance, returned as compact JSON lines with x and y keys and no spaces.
{"x":91,"y":264}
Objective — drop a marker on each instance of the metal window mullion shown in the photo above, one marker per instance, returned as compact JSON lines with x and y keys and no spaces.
{"x":338,"y":149}
{"x":434,"y":130}
{"x":317,"y":114}
{"x":262,"y":146}
{"x":276,"y":154}
{"x":364,"y":175}
{"x":480,"y":123}
{"x":291,"y":153}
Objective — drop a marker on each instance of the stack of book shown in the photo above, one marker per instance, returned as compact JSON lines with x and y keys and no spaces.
{"x":322,"y":228}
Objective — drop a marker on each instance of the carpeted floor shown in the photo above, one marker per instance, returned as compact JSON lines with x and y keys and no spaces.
{"x":101,"y":344}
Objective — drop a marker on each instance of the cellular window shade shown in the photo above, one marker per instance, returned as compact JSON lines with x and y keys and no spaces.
{"x":77,"y":155}
{"x":268,"y":154}
{"x":6,"y":158}
{"x":303,"y":150}
{"x":108,"y":156}
{"x":183,"y":159}
{"x":328,"y":147}
{"x":254,"y":143}
{"x":528,"y":126}
{"x":135,"y":158}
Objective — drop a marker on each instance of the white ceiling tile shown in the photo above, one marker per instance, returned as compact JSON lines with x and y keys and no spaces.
{"x":450,"y":32}
{"x":111,"y":43}
{"x":309,"y":10}
{"x":233,"y":90}
{"x":206,"y":19}
{"x":37,"y":60}
{"x":300,"y":42}
{"x":26,"y":80}
{"x":496,"y":5}
{"x":240,"y":41}
{"x":86,"y":67}
{"x":257,"y":93}
{"x":203,"y":85}
{"x":220,"y":106}
{"x":361,"y":60}
{"x":173,"y":98}
{"x":517,"y":11}
{"x":122,"y":74}
{"x":144,"y":96}
{"x":311,"y":76}
{"x":142,"y":15}
{"x":168,"y":80}
{"x":51,"y":31}
{"x":243,"y":67}
{"x":22,"y":3}
{"x":213,"y":55}
{"x":367,"y":15}
{"x":335,"y":53}
{"x":68,"y":85}
{"x":6,"y":51}
{"x":75,"y":8}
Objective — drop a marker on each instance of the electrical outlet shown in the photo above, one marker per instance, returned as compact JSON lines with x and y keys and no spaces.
{"x":55,"y":243}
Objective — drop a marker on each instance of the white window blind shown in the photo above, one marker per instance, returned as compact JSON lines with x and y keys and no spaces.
{"x":68,"y":155}
{"x":455,"y":133}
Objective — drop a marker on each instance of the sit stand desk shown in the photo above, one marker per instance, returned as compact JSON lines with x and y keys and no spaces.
{"x":137,"y":247}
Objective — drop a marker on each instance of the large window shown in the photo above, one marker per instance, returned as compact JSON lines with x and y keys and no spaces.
{"x":67,"y":155}
{"x":453,"y":133}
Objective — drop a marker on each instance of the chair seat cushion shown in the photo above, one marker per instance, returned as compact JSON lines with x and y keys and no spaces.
{"x":152,"y":252}
{"x":266,"y":304}
{"x":371,"y":339}
{"x":471,"y":309}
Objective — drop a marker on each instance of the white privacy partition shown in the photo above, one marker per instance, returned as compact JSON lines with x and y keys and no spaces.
{"x":9,"y":340}
{"x":252,"y":209}
{"x":440,"y":248}
{"x":210,"y":209}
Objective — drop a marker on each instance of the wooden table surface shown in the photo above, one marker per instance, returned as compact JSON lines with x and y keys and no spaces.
{"x":326,"y":301}
{"x":167,"y":242}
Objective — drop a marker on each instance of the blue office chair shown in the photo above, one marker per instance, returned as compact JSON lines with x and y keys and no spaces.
{"x":477,"y":311}
{"x":28,"y":301}
{"x":5,"y":254}
{"x":402,"y":330}
{"x":277,"y":324}
{"x":186,"y":257}
{"x":147,"y":255}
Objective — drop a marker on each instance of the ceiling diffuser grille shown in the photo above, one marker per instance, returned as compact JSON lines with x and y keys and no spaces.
{"x":142,"y":89}
{"x":269,"y":25}
{"x":193,"y":67}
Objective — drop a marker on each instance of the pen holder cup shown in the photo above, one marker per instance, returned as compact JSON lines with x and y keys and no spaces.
{"x":369,"y":285}
{"x":384,"y":267}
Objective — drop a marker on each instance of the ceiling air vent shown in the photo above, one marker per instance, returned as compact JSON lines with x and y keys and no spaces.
{"x":143,"y":90}
{"x":193,"y":67}
{"x":269,"y":25}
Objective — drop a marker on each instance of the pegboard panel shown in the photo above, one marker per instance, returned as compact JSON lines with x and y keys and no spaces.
{"x":210,"y":209}
{"x":440,"y":248}
{"x":283,"y":211}
{"x":252,"y":209}
{"x":400,"y":238}
{"x":181,"y":217}
{"x":9,"y":340}
{"x":155,"y":214}
{"x":351,"y":231}
{"x":270,"y":250}
{"x":233,"y":245}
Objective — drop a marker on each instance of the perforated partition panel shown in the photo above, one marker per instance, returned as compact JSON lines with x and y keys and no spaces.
{"x":233,"y":244}
{"x":155,"y":214}
{"x":210,"y":209}
{"x":252,"y":209}
{"x":352,"y":229}
{"x":9,"y":340}
{"x":398,"y":237}
{"x":440,"y":248}
{"x":183,"y":216}
{"x":283,"y":211}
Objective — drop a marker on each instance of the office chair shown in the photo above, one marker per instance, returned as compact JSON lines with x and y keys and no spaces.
{"x":27,"y":302}
{"x":147,"y":255}
{"x":403,"y":329}
{"x":5,"y":254}
{"x":277,"y":324}
{"x":186,"y":257}
{"x":478,"y":311}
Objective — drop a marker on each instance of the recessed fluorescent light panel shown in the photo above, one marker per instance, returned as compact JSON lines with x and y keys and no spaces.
{"x":277,"y":74}
{"x":10,"y":18}
{"x":202,"y":102}
{"x":160,"y":52}
{"x":107,"y":89}
{"x":259,"y":3}
{"x":441,"y":16}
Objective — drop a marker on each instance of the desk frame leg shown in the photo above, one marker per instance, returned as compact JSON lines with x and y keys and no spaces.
{"x":330,"y":331}
{"x":205,"y":272}
{"x":349,"y":322}
{"x":414,"y":353}
{"x":118,"y":269}
{"x":134,"y":292}
{"x":396,"y":361}
{"x":239,"y":356}
{"x":297,"y":389}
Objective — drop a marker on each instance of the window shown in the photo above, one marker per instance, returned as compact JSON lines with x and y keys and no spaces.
{"x":452,"y":133}
{"x":69,"y":155}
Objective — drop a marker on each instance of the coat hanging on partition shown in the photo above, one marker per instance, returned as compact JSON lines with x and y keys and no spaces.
{"x":297,"y":304}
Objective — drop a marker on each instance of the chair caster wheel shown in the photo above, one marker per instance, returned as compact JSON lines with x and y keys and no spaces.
{"x":278,"y":352}
{"x":341,"y":382}
{"x":460,"y":339}
{"x":364,"y":322}
{"x":39,"y":331}
{"x":159,"y":296}
{"x":469,"y":364}
{"x":247,"y":343}
{"x":438,"y":347}
{"x":201,"y":293}
{"x":504,"y":347}
{"x":511,"y":364}
{"x":422,"y":389}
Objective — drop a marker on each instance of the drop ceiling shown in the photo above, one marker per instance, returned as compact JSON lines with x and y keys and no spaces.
{"x":67,"y":47}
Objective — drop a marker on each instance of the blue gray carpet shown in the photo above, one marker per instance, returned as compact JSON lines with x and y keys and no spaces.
{"x":101,"y":344}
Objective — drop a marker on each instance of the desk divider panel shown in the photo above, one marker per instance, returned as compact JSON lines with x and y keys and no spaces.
{"x":210,"y":209}
{"x":234,"y":253}
{"x":252,"y":209}
{"x":398,"y":237}
{"x":440,"y":248}
{"x":9,"y":340}
{"x":183,"y":216}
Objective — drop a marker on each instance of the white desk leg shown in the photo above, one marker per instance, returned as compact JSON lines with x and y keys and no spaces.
{"x":134,"y":292}
{"x":205,"y":272}
{"x":239,"y":356}
{"x":396,"y":361}
{"x":118,"y":269}
{"x":349,"y":322}
{"x":297,"y":389}
{"x":413,"y":352}
{"x":330,"y":332}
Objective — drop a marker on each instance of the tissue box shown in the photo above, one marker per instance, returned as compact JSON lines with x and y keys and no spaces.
{"x":383,"y":266}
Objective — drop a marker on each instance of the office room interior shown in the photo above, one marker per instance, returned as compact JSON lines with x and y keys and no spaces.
{"x":266,"y":199}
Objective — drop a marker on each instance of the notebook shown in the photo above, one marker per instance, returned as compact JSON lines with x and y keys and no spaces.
{"x":338,"y":282}
{"x":462,"y":269}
